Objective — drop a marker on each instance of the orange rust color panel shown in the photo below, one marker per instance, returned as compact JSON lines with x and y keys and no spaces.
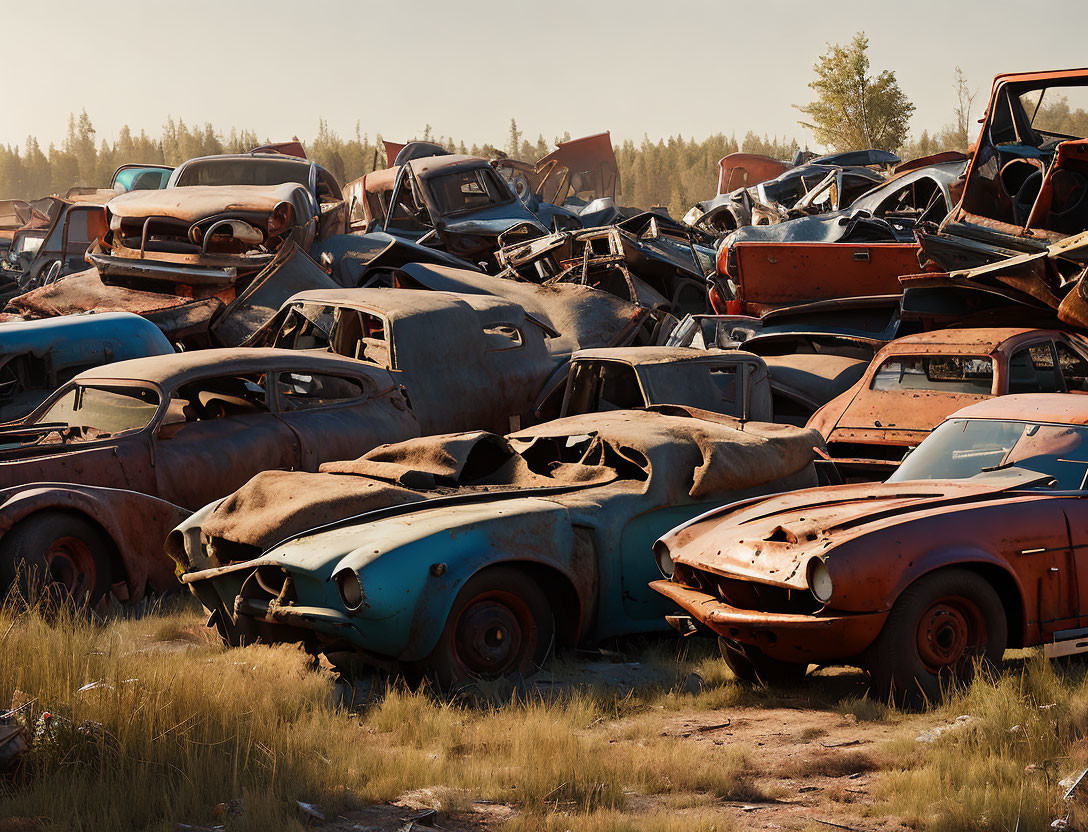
{"x":772,"y":275}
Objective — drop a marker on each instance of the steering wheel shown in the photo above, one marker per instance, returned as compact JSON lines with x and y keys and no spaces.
{"x":1025,"y":197}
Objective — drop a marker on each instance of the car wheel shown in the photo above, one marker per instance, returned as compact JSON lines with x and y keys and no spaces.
{"x":754,"y":667}
{"x":501,"y":625}
{"x":60,"y":550}
{"x":939,"y":629}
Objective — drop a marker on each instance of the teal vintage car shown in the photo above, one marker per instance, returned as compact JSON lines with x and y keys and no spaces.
{"x":473,"y":554}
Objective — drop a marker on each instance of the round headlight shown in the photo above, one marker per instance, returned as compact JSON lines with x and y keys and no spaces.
{"x":664,"y":560}
{"x":351,"y":591}
{"x":819,"y":580}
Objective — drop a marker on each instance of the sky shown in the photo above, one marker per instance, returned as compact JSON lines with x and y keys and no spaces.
{"x":466,"y":67}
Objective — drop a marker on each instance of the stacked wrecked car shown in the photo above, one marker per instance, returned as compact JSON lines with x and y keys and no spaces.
{"x":465,"y":412}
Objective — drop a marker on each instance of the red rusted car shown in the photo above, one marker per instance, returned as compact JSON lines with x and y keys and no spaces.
{"x":916,"y":381}
{"x":978,"y":543}
{"x":91,"y":481}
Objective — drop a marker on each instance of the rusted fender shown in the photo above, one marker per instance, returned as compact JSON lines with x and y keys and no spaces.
{"x":135,"y":523}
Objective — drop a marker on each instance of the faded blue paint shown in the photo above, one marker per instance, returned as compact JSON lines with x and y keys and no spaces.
{"x":84,"y":340}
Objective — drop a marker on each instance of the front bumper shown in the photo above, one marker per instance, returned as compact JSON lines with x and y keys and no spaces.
{"x":817,"y":638}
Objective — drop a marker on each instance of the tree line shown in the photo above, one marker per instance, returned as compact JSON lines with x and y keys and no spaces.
{"x":674,"y":172}
{"x":853,"y":108}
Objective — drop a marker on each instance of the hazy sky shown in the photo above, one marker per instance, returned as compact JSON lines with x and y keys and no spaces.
{"x":638,"y":67}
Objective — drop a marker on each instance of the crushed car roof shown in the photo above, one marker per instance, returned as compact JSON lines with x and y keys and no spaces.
{"x":429,"y":165}
{"x":983,"y":339}
{"x":168,"y":370}
{"x":397,"y":304}
{"x":658,"y":355}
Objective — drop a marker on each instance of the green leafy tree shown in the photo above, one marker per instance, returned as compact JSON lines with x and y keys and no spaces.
{"x":853,"y":109}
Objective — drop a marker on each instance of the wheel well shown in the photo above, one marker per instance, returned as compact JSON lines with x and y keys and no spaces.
{"x":562,"y":596}
{"x":117,"y":565}
{"x":1007,"y":591}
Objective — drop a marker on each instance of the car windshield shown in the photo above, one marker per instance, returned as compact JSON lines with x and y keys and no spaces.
{"x":86,"y":413}
{"x":1060,"y":112}
{"x":964,"y":448}
{"x":467,"y":190}
{"x":245,"y":171}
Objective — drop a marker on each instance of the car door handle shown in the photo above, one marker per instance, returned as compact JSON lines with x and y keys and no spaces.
{"x":861,"y":256}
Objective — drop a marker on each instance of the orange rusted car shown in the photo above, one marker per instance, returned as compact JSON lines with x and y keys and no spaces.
{"x":915,"y":382}
{"x":978,"y":543}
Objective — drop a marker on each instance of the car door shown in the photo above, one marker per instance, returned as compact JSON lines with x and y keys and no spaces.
{"x":337,"y":415}
{"x":121,"y":414}
{"x":216,"y":433}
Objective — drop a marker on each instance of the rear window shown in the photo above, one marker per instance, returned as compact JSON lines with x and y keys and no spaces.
{"x":944,"y":373}
{"x":467,"y":190}
{"x":248,"y":171}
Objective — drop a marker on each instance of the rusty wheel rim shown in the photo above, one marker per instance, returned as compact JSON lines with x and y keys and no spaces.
{"x":951,"y":632}
{"x":69,"y":564}
{"x":494,"y":633}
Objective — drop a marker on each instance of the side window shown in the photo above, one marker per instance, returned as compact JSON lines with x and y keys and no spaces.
{"x":601,"y":386}
{"x":1033,"y":370}
{"x":304,"y":391}
{"x":221,"y":397}
{"x":1074,"y":368}
{"x":361,"y":336}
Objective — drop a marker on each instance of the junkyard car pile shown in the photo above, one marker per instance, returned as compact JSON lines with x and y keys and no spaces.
{"x":463,"y":412}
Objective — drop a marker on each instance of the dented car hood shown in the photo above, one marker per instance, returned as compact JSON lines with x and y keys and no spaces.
{"x":772,"y":540}
{"x":195,"y":202}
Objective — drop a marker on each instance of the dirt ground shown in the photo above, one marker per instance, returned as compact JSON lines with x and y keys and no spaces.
{"x":817,"y":766}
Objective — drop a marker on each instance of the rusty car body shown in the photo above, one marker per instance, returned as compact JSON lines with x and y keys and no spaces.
{"x":223,"y":317}
{"x":1028,"y":178}
{"x":1025,"y":199}
{"x":916,"y":381}
{"x":581,"y":175}
{"x":813,"y":352}
{"x":96,"y":476}
{"x":13,"y":216}
{"x":647,"y":259}
{"x":52,"y":242}
{"x":840,"y":179}
{"x":468,"y":555}
{"x":743,"y":170}
{"x":731,"y":382}
{"x":219,"y":221}
{"x":454,"y":202}
{"x":857,"y":251}
{"x":466,"y":361}
{"x":977,"y":543}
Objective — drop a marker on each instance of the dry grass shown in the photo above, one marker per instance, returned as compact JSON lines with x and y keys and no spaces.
{"x":169,"y":734}
{"x":1002,"y":771}
{"x":180,"y":725}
